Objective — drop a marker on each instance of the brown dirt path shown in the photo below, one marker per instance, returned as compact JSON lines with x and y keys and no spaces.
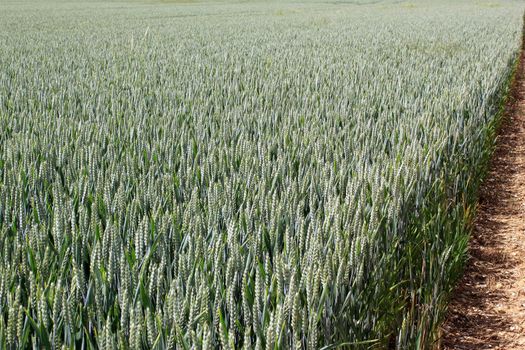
{"x":487,"y":310}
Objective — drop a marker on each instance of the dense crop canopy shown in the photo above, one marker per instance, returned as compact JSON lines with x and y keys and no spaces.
{"x":257,"y":175}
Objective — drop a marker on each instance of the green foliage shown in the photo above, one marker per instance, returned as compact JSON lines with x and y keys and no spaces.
{"x":195,"y":176}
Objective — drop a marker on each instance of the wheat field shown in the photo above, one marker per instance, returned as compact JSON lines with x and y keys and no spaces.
{"x":266,"y":175}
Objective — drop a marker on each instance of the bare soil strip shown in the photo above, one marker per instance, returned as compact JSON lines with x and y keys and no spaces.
{"x":488,"y":307}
